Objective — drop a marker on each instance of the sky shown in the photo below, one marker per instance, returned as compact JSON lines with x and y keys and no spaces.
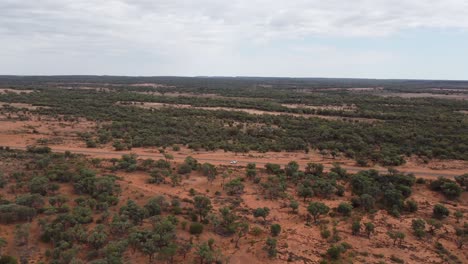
{"x":397,"y":39}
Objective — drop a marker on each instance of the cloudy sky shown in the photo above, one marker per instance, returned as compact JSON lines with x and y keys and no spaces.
{"x":424,"y":39}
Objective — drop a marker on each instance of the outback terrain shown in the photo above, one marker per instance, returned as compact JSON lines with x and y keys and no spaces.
{"x":232,"y":170}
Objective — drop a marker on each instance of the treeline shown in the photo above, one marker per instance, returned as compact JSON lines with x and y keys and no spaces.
{"x":428,"y":128}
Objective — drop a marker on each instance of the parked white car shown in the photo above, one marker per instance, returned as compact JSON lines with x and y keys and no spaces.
{"x":233,"y":161}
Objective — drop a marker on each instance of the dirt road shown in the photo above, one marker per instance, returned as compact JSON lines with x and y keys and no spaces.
{"x":242,"y":160}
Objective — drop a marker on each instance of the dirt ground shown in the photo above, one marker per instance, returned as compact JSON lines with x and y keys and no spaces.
{"x":62,"y":136}
{"x":297,"y":243}
{"x":147,"y":105}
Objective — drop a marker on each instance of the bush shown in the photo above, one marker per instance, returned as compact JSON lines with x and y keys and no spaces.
{"x":196,"y":228}
{"x":418,"y":226}
{"x":8,"y":260}
{"x":440,"y":211}
{"x":335,"y":251}
{"x":11,"y":213}
{"x":344,"y":209}
{"x":184,"y":169}
{"x":270,"y":247}
{"x":275,"y":229}
{"x":411,"y":206}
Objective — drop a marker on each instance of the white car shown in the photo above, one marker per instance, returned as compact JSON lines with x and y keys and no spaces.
{"x":233,"y":161}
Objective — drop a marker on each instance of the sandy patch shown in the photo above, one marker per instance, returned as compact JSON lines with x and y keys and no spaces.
{"x":150,"y":105}
{"x":8,"y":90}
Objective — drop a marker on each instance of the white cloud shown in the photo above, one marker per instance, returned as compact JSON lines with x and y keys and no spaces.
{"x":174,"y":33}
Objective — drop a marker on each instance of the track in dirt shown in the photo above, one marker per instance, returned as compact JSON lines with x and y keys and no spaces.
{"x":226,"y":161}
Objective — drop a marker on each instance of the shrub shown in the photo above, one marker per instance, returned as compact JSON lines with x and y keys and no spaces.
{"x":270,"y":247}
{"x":344,"y":209}
{"x":418,"y":226}
{"x":440,"y":211}
{"x":411,"y":206}
{"x":196,"y":228}
{"x":11,"y":213}
{"x":356,"y":227}
{"x":275,"y":229}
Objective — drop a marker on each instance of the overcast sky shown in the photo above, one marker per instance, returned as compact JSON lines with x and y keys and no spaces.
{"x":423,"y":39}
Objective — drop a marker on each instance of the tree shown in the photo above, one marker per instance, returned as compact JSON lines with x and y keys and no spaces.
{"x":22,"y":234}
{"x":462,"y":180}
{"x":270,"y":247}
{"x":251,"y":171}
{"x":209,"y":170}
{"x":440,"y":211}
{"x":273,"y":168}
{"x":367,"y":202}
{"x":294,"y":205}
{"x":184,"y":168}
{"x":234,"y":187}
{"x":451,"y":190}
{"x":98,"y":238}
{"x":202,"y":206}
{"x":369,"y":227}
{"x":3,"y":243}
{"x":356,"y":227}
{"x":275,"y":230}
{"x":134,"y":212}
{"x":208,"y":254}
{"x":262,"y":212}
{"x":418,"y":226}
{"x":58,"y":200}
{"x":292,"y":168}
{"x":242,"y":228}
{"x":462,"y":236}
{"x":155,"y":205}
{"x":344,"y":208}
{"x":434,"y":225}
{"x":316,"y":209}
{"x":458,"y":215}
{"x":168,"y":157}
{"x":314,"y":169}
{"x":39,"y":185}
{"x":193,"y":163}
{"x":305,"y":191}
{"x":3,"y":181}
{"x":396,"y":236}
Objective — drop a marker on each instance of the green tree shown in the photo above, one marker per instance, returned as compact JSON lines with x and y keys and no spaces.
{"x":234,"y":187}
{"x":242,"y":228}
{"x":262,"y":212}
{"x":39,"y":185}
{"x":294,"y":205}
{"x":251,"y":171}
{"x":305,"y":191}
{"x":458,"y":215}
{"x":202,"y":206}
{"x":396,"y":236}
{"x":314,"y":169}
{"x":451,"y":190}
{"x":344,"y":208}
{"x":356,"y":227}
{"x":316,"y":209}
{"x":370,"y":228}
{"x":209,"y":170}
{"x":98,"y":238}
{"x":133,"y":212}
{"x":462,"y":180}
